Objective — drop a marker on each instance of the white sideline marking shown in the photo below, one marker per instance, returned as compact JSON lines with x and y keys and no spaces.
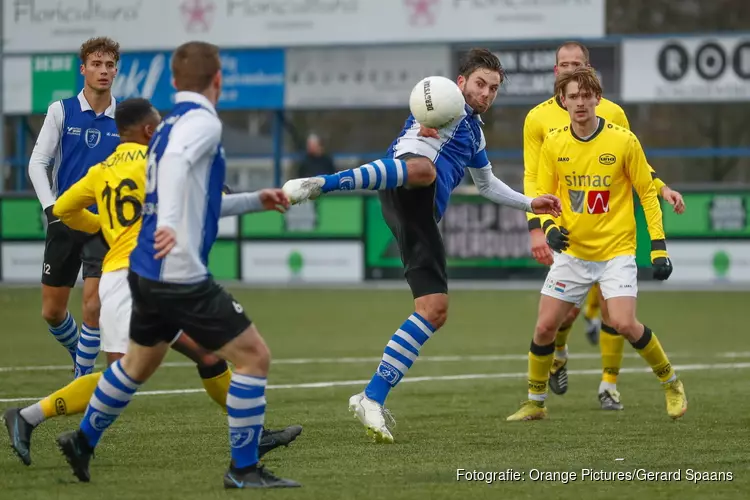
{"x":441,"y":378}
{"x":337,"y":361}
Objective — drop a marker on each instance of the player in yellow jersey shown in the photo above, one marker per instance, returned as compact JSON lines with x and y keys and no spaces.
{"x":542,"y":119}
{"x":117,"y":186}
{"x":594,"y":166}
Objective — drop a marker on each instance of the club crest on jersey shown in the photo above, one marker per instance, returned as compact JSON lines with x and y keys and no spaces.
{"x":597,"y":202}
{"x":93,"y":136}
{"x":389,"y":373}
{"x":607,"y":159}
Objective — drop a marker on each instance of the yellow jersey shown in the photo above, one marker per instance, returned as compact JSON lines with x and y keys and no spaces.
{"x":595,"y":180}
{"x":117,"y":186}
{"x":549,"y":116}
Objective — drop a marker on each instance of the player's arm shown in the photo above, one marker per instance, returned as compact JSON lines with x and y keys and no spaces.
{"x":44,"y":153}
{"x":639,"y":174}
{"x":258,"y":201}
{"x":547,"y":182}
{"x":533,"y":138}
{"x":71,"y":207}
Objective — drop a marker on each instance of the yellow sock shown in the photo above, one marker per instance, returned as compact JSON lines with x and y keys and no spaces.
{"x":540,"y":361}
{"x":592,"y":307}
{"x":216,"y":380}
{"x":71,"y":399}
{"x":611,"y":345}
{"x":561,"y":342}
{"x":650,"y":349}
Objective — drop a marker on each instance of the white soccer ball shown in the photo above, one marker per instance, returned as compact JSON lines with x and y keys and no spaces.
{"x":436,"y":101}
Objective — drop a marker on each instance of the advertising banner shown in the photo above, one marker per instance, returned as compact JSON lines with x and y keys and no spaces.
{"x":689,"y":69}
{"x":31,"y":84}
{"x":710,"y":262}
{"x":302,"y":262}
{"x":40,"y":26}
{"x":529,"y":69}
{"x":359,"y":77}
{"x":711,"y":215}
{"x":252,"y":79}
{"x":22,"y":262}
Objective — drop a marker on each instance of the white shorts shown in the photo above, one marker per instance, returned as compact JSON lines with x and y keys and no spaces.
{"x":569,"y":279}
{"x":116,"y":305}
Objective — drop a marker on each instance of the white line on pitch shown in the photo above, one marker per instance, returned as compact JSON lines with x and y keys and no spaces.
{"x":441,"y":378}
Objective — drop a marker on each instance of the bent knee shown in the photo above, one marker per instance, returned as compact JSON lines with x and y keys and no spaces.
{"x":54,"y":314}
{"x":421,"y":172}
{"x":434,"y":309}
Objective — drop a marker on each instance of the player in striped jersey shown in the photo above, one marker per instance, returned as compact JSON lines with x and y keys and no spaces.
{"x":415,"y":182}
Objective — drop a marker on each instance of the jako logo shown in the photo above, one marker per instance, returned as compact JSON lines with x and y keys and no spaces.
{"x":422,"y":12}
{"x":198,"y":15}
{"x":607,"y":159}
{"x":597,"y":202}
{"x":563,"y":158}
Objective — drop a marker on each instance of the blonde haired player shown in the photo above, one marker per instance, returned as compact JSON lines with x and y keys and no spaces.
{"x":594,"y":166}
{"x":542,"y":119}
{"x":117,"y":187}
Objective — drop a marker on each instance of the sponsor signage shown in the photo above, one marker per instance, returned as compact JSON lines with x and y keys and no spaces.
{"x":22,"y":262}
{"x":39,"y":26}
{"x":712,"y":262}
{"x":302,"y":262}
{"x":690,"y":69}
{"x":328,"y":217}
{"x":252,"y":79}
{"x":710,"y":215}
{"x":529,"y":69}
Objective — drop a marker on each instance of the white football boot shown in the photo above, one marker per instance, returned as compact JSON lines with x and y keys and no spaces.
{"x":373,"y":417}
{"x":306,"y":188}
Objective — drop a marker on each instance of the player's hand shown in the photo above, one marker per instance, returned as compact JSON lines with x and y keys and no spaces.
{"x":49,"y":213}
{"x":557,"y":238}
{"x":274,"y":199}
{"x":165,"y":239}
{"x":428,"y":132}
{"x":540,"y":250}
{"x":546,"y":204}
{"x":674,"y":198}
{"x":662,"y":267}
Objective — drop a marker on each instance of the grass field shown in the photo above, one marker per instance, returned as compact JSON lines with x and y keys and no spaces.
{"x":175,"y":445}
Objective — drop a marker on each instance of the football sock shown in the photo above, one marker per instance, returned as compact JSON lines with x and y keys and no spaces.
{"x":246,"y":409}
{"x":650,"y":349}
{"x":386,"y":173}
{"x":592,"y":308}
{"x":87,"y":350}
{"x":216,"y":379}
{"x":611,"y":346}
{"x":561,"y":342}
{"x":540,"y":361}
{"x":66,"y":333}
{"x":399,"y":354}
{"x":70,"y":400}
{"x":113,"y":392}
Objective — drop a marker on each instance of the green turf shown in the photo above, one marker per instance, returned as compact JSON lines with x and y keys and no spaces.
{"x":175,"y":446}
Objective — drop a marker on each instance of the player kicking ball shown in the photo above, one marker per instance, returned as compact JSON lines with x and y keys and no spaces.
{"x":117,"y":188}
{"x":595,"y":165}
{"x":415,"y":182}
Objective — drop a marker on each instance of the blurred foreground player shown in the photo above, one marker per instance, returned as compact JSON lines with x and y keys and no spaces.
{"x":117,"y":187}
{"x":595,"y":165}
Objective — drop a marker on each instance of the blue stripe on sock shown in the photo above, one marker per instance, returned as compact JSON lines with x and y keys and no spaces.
{"x":399,"y":357}
{"x":378,"y":175}
{"x":88,"y":342}
{"x":63,"y":337}
{"x":109,"y":400}
{"x":415,"y":332}
{"x":110,"y":377}
{"x":365,"y":178}
{"x":246,"y":412}
{"x":86,"y":355}
{"x":90,"y":329}
{"x":64,"y":326}
{"x":405,"y":344}
{"x":426,"y":323}
{"x":246,"y":392}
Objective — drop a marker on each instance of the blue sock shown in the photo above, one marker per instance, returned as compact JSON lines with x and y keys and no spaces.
{"x":400,"y":353}
{"x":66,"y":333}
{"x":246,"y":408}
{"x":386,"y":173}
{"x":87,"y":350}
{"x":113,"y":393}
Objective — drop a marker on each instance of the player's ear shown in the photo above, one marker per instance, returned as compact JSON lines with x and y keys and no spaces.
{"x":461,"y":82}
{"x":83,"y":68}
{"x":555,"y":70}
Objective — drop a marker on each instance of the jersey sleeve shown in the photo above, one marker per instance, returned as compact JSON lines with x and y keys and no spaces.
{"x":639,"y":174}
{"x":621,"y":120}
{"x":546,"y":182}
{"x":480,"y":160}
{"x":44,"y":152}
{"x":533,"y":138}
{"x":71,"y":206}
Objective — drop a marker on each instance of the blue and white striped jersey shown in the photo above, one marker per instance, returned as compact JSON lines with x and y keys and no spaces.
{"x":461,"y":145}
{"x":185,"y":175}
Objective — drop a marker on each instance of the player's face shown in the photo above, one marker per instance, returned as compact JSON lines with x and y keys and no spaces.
{"x":581,"y":103}
{"x":569,"y":59}
{"x":480,"y":89}
{"x":99,"y":71}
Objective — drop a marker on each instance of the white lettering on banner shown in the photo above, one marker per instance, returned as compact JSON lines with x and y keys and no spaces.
{"x":139,"y":82}
{"x":485,"y":230}
{"x":687,"y":69}
{"x":39,"y":26}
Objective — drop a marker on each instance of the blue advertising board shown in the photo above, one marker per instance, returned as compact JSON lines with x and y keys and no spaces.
{"x":252,"y":79}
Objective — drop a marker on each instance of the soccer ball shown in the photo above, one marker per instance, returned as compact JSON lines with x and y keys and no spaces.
{"x":436,"y":101}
